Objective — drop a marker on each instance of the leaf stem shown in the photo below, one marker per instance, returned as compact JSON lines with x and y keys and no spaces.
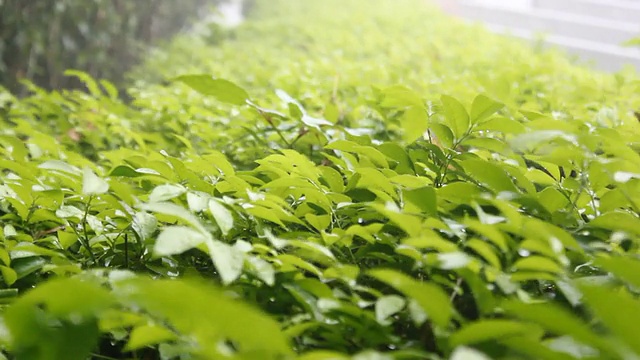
{"x":85,"y":242}
{"x":273,"y":126}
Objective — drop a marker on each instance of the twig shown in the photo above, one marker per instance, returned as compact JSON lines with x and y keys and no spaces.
{"x":455,"y":290}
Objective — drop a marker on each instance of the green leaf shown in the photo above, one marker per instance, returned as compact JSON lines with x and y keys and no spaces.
{"x":92,"y":184}
{"x":144,"y":225}
{"x":222,"y":215}
{"x":124,"y":171}
{"x":175,"y":240}
{"x":442,"y":134}
{"x":617,"y":221}
{"x":625,"y":268}
{"x":617,"y":310}
{"x":410,"y":224}
{"x":538,"y":263}
{"x":61,"y":298}
{"x":491,"y":175}
{"x":223,"y":90}
{"x":387,"y":306}
{"x":323,"y":355}
{"x":27,"y":266}
{"x":457,"y":116}
{"x":198,"y":202}
{"x":485,"y":330}
{"x":503,"y":125}
{"x":557,"y":320}
{"x":424,"y":199}
{"x":174,"y":210}
{"x":399,"y":96}
{"x":414,"y":122}
{"x":263,"y":270}
{"x":433,"y":300}
{"x":9,"y":275}
{"x":166,"y":192}
{"x":209,"y":316}
{"x":87,"y":80}
{"x":148,"y":335}
{"x":228,"y":260}
{"x":483,"y":107}
{"x":397,"y":154}
{"x":465,"y":353}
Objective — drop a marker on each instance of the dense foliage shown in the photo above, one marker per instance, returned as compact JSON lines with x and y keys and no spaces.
{"x":41,"y":39}
{"x":337,"y":179}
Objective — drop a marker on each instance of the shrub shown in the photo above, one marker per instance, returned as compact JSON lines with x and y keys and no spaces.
{"x":379,"y":182}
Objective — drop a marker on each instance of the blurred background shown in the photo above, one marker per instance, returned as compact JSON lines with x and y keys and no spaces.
{"x":39,"y":39}
{"x":105,"y":38}
{"x":603,"y":33}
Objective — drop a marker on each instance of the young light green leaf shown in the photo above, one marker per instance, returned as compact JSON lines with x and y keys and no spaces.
{"x":148,"y":335}
{"x":399,"y":96}
{"x":197,"y":201}
{"x":490,"y":175}
{"x":466,"y":353}
{"x":174,"y":210}
{"x":263,"y":270}
{"x":92,"y":184}
{"x":221,"y":89}
{"x":456,"y":115}
{"x":61,"y":166}
{"x":483,"y":107}
{"x":166,"y":192}
{"x":387,"y":306}
{"x":144,"y":225}
{"x":175,"y":240}
{"x":414,"y":122}
{"x":228,"y":260}
{"x":222,"y":215}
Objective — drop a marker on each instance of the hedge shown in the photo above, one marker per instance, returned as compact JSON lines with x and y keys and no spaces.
{"x":337,"y":179}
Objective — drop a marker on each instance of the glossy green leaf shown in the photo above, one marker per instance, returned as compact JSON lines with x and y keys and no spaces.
{"x":483,"y":107}
{"x":166,"y":192}
{"x":176,"y":240}
{"x":431,"y":298}
{"x":387,"y":306}
{"x":92,"y":184}
{"x":490,"y":175}
{"x":176,"y":211}
{"x":486,"y":330}
{"x":456,"y":114}
{"x":222,"y":215}
{"x":148,"y":335}
{"x":228,"y":260}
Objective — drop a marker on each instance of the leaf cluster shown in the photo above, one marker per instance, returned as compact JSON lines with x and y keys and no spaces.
{"x":344,"y":187}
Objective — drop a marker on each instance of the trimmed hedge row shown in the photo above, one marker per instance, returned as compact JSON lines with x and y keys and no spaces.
{"x":346,"y":179}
